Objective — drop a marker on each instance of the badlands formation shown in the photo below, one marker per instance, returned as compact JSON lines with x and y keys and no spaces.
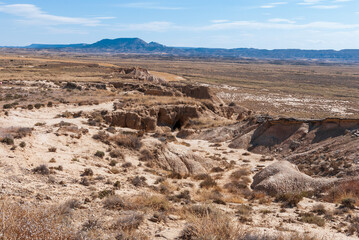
{"x":143,"y":157}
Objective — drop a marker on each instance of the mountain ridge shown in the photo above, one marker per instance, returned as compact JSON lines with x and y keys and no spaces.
{"x":139,"y":46}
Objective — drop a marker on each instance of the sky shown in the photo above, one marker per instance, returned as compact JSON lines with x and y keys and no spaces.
{"x":265,"y":24}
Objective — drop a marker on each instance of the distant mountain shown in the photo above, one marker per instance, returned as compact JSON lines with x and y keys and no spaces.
{"x":136,"y":45}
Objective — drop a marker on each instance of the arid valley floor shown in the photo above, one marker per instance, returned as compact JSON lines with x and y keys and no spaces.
{"x":126,"y":147}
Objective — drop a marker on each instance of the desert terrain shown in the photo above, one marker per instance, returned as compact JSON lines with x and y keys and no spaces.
{"x":127,"y":147}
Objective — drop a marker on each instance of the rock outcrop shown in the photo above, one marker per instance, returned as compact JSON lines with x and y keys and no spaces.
{"x":176,"y":158}
{"x":174,"y":117}
{"x":284,"y":177}
{"x":139,"y":74}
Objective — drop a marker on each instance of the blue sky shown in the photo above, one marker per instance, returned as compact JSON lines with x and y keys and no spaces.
{"x":306,"y":24}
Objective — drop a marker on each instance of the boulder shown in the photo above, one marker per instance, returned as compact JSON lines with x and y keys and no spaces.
{"x":284,"y":177}
{"x":184,"y":133}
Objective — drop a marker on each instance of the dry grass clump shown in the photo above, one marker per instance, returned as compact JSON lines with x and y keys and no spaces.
{"x":240,"y":173}
{"x":68,"y":206}
{"x":131,"y":141}
{"x":141,"y":202}
{"x":210,"y":195}
{"x":132,"y":235}
{"x":207,"y":223}
{"x":312,"y":219}
{"x":22,"y":222}
{"x":152,"y":202}
{"x":344,"y":190}
{"x":236,"y":187}
{"x":208,"y":182}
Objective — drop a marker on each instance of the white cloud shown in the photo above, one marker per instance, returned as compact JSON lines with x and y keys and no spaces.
{"x":342,"y":0}
{"x":105,"y":18}
{"x":274,"y":4}
{"x":326,"y":6}
{"x":219,"y":21}
{"x":149,"y":5}
{"x":275,"y":23}
{"x":278,"y":25}
{"x":280,"y":20}
{"x":310,"y":2}
{"x":34,"y":15}
{"x":279,"y":3}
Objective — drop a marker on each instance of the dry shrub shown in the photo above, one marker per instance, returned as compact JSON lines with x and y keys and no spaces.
{"x":139,"y":181}
{"x":127,"y":140}
{"x":346,"y":189}
{"x":290,"y":200}
{"x":129,"y":222}
{"x":113,"y":202}
{"x":208,"y":224}
{"x":68,"y":206}
{"x":24,"y":222}
{"x":354,"y":226}
{"x":42,"y":169}
{"x":202,"y":176}
{"x":127,"y":165}
{"x":87,"y":172}
{"x":104,"y":193}
{"x":312,"y":219}
{"x":236,"y":186}
{"x":117,"y":154}
{"x":152,"y":202}
{"x":146,"y":155}
{"x":208,"y":183}
{"x":52,"y":149}
{"x":240,"y":173}
{"x":102,"y":136}
{"x":209,"y":195}
{"x":132,"y":235}
{"x":319,"y":209}
{"x":99,"y":154}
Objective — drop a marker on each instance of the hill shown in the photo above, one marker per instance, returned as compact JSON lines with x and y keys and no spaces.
{"x":136,"y":45}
